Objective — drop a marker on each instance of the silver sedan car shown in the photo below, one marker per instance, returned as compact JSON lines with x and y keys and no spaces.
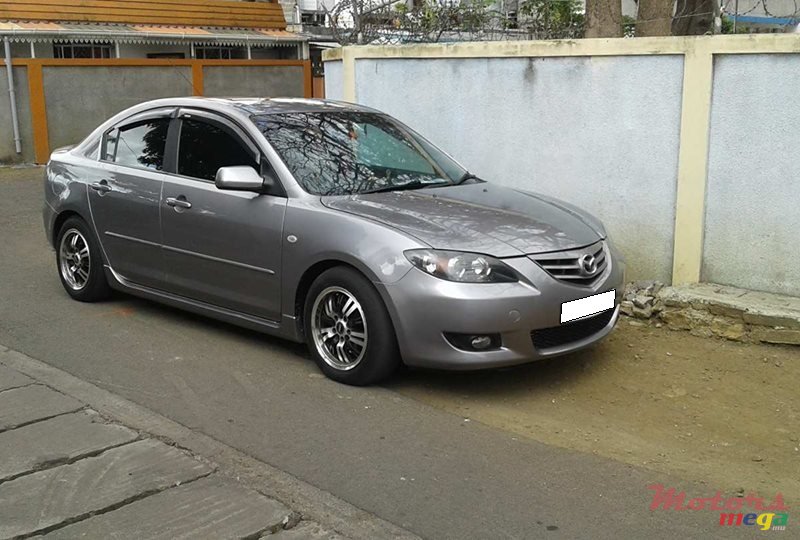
{"x":331,"y":224}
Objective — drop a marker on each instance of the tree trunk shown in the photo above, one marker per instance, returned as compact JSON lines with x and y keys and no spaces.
{"x":655,"y":18}
{"x":693,"y":17}
{"x":603,"y":18}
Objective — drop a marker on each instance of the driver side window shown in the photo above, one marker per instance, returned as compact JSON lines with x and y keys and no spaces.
{"x":204,"y":148}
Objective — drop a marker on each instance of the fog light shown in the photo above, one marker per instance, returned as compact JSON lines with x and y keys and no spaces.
{"x":480,"y":342}
{"x":474,"y":342}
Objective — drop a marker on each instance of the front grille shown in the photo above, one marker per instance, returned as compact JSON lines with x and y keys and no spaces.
{"x":571,"y":332}
{"x":567,"y":265}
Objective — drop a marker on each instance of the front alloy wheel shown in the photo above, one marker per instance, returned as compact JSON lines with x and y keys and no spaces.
{"x":339,"y":328}
{"x":348,"y":329}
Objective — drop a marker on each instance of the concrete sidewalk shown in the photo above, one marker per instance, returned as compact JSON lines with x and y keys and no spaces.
{"x":68,"y":470}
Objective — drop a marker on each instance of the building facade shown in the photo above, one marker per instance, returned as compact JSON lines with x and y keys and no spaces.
{"x":202,"y":29}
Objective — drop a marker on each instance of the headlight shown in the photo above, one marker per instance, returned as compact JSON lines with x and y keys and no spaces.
{"x":460,"y":266}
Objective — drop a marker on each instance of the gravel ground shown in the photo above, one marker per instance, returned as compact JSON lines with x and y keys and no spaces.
{"x":721,"y":412}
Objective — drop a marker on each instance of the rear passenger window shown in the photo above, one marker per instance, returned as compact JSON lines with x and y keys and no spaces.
{"x":139,"y":145}
{"x":204,"y":148}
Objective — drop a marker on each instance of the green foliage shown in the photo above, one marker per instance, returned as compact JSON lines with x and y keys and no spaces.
{"x":727,"y":26}
{"x":429,"y":20}
{"x":551,"y":19}
{"x":628,"y":26}
{"x":370,"y":21}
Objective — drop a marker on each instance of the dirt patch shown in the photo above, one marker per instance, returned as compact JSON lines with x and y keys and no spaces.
{"x":723,"y":413}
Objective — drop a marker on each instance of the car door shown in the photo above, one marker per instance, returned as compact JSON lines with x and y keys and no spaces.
{"x":125,"y":196}
{"x":220,"y":247}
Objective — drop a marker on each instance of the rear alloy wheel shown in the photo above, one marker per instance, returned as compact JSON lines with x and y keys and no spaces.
{"x":349,"y":332}
{"x":80,"y":266}
{"x":74,"y":259}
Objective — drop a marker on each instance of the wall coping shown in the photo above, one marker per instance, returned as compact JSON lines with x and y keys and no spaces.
{"x":727,"y":44}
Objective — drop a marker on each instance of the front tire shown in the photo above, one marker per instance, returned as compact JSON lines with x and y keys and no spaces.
{"x":79,"y":262}
{"x":348,"y":330}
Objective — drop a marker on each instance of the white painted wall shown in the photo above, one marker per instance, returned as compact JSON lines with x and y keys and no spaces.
{"x":753,"y":202}
{"x":333,"y":80}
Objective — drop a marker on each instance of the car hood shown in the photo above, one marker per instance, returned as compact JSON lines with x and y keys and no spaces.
{"x":482,"y":218}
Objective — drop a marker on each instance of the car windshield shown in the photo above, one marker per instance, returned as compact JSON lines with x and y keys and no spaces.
{"x":345,"y":153}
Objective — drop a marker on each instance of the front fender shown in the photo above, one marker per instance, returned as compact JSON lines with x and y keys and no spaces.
{"x":321,"y":235}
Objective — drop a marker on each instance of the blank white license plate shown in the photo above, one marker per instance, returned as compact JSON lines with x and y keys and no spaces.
{"x":587,"y":306}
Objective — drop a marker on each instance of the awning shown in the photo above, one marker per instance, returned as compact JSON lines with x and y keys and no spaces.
{"x":139,"y":33}
{"x":325,"y":44}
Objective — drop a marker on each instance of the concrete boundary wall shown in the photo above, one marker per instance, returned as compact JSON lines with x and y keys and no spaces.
{"x":640,"y":84}
{"x":63,"y":99}
{"x":7,"y":149}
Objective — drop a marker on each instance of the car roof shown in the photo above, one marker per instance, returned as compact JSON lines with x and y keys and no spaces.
{"x":260,"y":106}
{"x":241,"y":107}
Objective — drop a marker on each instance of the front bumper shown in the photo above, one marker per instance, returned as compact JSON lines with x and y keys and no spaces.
{"x":424,"y":308}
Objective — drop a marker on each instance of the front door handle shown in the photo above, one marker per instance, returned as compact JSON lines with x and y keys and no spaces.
{"x":178,"y":202}
{"x":101,"y":187}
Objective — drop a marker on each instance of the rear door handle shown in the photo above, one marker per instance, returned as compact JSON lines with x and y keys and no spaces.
{"x":178,"y":202}
{"x":101,"y":187}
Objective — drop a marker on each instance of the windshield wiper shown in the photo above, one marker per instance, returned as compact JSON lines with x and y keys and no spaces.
{"x":467,"y":176}
{"x":414,"y":184}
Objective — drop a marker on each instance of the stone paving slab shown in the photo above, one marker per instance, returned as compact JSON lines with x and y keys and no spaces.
{"x":23,"y":405}
{"x":11,"y":378}
{"x":59,"y":440}
{"x":38,"y":501}
{"x":212,"y":507}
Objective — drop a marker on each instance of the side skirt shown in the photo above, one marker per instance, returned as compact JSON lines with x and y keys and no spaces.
{"x":286,"y":329}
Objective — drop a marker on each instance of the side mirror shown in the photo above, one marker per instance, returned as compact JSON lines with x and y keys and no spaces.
{"x":240,"y":178}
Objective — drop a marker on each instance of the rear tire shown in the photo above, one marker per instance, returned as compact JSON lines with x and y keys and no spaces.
{"x":348,"y":329}
{"x":80,"y":263}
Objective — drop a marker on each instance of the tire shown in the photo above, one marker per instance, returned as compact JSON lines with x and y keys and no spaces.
{"x":328,"y":307}
{"x":80,"y":263}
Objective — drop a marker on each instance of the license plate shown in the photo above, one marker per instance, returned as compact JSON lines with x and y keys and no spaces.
{"x":587,"y":306}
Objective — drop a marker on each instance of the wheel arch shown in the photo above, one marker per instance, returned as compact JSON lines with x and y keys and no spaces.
{"x":59,"y":221}
{"x":316,"y":270}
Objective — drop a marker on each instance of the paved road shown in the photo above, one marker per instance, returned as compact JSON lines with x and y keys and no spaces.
{"x":421,"y":468}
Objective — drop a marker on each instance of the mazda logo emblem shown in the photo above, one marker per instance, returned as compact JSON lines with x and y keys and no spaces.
{"x":588,"y":265}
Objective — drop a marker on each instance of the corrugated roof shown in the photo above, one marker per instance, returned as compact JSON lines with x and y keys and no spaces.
{"x":142,"y":33}
{"x":203,"y":13}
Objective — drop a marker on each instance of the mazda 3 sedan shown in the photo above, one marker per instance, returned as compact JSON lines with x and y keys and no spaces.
{"x":331,"y":224}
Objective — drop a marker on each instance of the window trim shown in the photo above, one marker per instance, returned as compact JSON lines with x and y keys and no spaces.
{"x":227,"y":125}
{"x":152,"y":114}
{"x":262,"y":154}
